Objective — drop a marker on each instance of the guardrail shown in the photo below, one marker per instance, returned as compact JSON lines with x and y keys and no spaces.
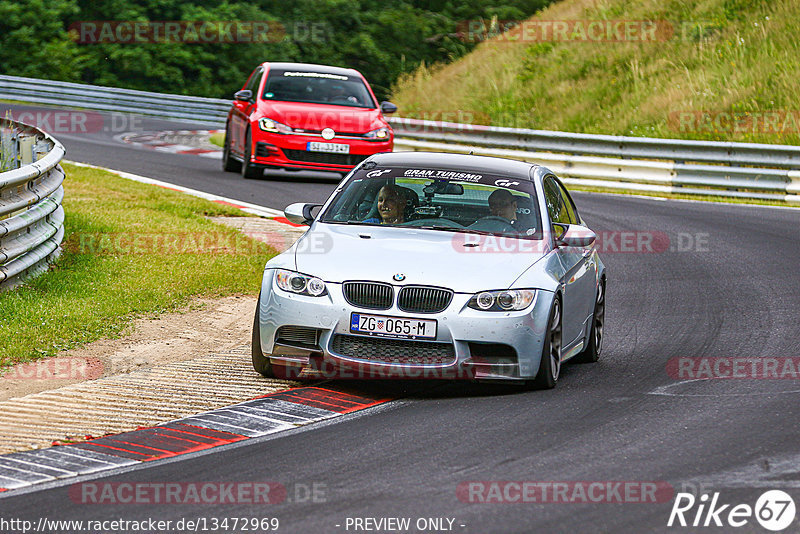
{"x":743,"y":170}
{"x":709,"y":168}
{"x":31,"y":216}
{"x":210,"y":111}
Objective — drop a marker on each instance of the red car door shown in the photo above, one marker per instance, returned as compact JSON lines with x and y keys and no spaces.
{"x":240,"y":118}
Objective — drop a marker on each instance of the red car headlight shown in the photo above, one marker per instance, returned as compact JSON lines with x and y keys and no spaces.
{"x":380,"y":134}
{"x":273,"y":126}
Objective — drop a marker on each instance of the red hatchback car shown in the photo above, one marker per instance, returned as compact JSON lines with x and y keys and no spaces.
{"x":303,"y":116}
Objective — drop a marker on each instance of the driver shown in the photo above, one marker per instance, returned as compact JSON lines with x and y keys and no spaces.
{"x":339,"y":94}
{"x":503,"y":204}
{"x":391,"y":206}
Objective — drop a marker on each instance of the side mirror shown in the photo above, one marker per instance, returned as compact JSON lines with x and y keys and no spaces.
{"x":387,"y":107}
{"x":573,"y":235}
{"x":300,"y":212}
{"x":245,"y":95}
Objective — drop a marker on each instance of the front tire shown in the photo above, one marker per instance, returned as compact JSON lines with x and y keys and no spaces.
{"x":250,"y":170}
{"x":550,"y":365}
{"x":228,"y":163}
{"x":592,"y":351}
{"x":261,"y":363}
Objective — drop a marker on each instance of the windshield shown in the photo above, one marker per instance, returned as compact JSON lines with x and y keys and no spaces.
{"x":317,"y":88}
{"x":438,"y":199}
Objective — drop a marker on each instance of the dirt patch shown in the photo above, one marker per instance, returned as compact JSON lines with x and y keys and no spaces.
{"x":205,"y":326}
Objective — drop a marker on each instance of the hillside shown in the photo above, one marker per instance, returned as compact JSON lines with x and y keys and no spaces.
{"x":707,"y":69}
{"x":209,"y":48}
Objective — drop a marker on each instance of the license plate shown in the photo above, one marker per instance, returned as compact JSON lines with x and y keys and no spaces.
{"x":381,"y":325}
{"x":337,"y":148}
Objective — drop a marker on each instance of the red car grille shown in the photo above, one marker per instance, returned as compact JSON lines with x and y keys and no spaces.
{"x":324,"y":157}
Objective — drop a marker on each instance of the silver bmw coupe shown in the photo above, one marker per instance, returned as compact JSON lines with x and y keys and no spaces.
{"x":430,"y":265}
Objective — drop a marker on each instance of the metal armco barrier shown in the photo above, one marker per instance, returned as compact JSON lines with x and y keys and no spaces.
{"x":31,"y":216}
{"x":743,"y":170}
{"x":210,"y":111}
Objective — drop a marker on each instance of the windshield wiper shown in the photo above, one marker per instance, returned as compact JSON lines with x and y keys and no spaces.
{"x":362,"y":223}
{"x":471,"y":231}
{"x":447,"y":228}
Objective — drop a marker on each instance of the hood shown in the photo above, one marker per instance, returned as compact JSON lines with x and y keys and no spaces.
{"x":320,"y":116}
{"x":337,"y":253}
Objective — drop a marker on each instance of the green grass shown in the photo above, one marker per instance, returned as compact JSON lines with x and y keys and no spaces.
{"x":19,"y":102}
{"x":680,"y":196}
{"x":131,"y":250}
{"x":217,"y":139}
{"x":729,"y":56}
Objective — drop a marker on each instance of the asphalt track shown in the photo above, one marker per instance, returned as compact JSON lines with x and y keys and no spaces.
{"x":727,"y":286}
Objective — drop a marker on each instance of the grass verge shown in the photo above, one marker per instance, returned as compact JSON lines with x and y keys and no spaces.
{"x":679,"y":196}
{"x":217,"y":139}
{"x":131,"y":250}
{"x":726,"y":70}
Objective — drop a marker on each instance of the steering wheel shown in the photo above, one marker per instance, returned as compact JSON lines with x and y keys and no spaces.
{"x":501,"y":224}
{"x":438,"y":222}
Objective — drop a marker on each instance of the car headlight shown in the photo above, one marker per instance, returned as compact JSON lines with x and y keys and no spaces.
{"x":381,"y":134}
{"x":504,"y":300}
{"x":300,"y":283}
{"x":269,"y":125}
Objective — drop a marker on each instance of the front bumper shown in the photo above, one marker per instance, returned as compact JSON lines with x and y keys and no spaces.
{"x":289,"y":151}
{"x":470,"y":344}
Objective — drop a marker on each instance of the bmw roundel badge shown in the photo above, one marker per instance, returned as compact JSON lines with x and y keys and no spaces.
{"x":399,"y":277}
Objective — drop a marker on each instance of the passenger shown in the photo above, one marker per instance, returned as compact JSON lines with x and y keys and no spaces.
{"x":503,"y":204}
{"x":391,"y":206}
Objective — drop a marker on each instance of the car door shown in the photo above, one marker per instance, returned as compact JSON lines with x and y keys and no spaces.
{"x":241,"y":112}
{"x":578,"y":280}
{"x":587,"y":279}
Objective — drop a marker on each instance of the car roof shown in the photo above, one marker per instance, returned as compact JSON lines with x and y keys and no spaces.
{"x":459,"y":162}
{"x":310,"y":67}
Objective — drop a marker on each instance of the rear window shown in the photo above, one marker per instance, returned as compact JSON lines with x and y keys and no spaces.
{"x":438,"y":199}
{"x":317,"y":88}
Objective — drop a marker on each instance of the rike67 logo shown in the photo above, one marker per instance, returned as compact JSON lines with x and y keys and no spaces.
{"x":774,"y":510}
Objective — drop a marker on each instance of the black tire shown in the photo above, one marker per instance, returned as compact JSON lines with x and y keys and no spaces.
{"x":228,"y":163}
{"x":261,"y":363}
{"x":250,"y":170}
{"x":550,"y":365}
{"x":592,"y":351}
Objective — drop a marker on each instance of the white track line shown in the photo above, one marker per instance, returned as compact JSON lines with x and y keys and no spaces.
{"x":244,"y":206}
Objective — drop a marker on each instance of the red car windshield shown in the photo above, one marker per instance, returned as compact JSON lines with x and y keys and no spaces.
{"x":317,"y":88}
